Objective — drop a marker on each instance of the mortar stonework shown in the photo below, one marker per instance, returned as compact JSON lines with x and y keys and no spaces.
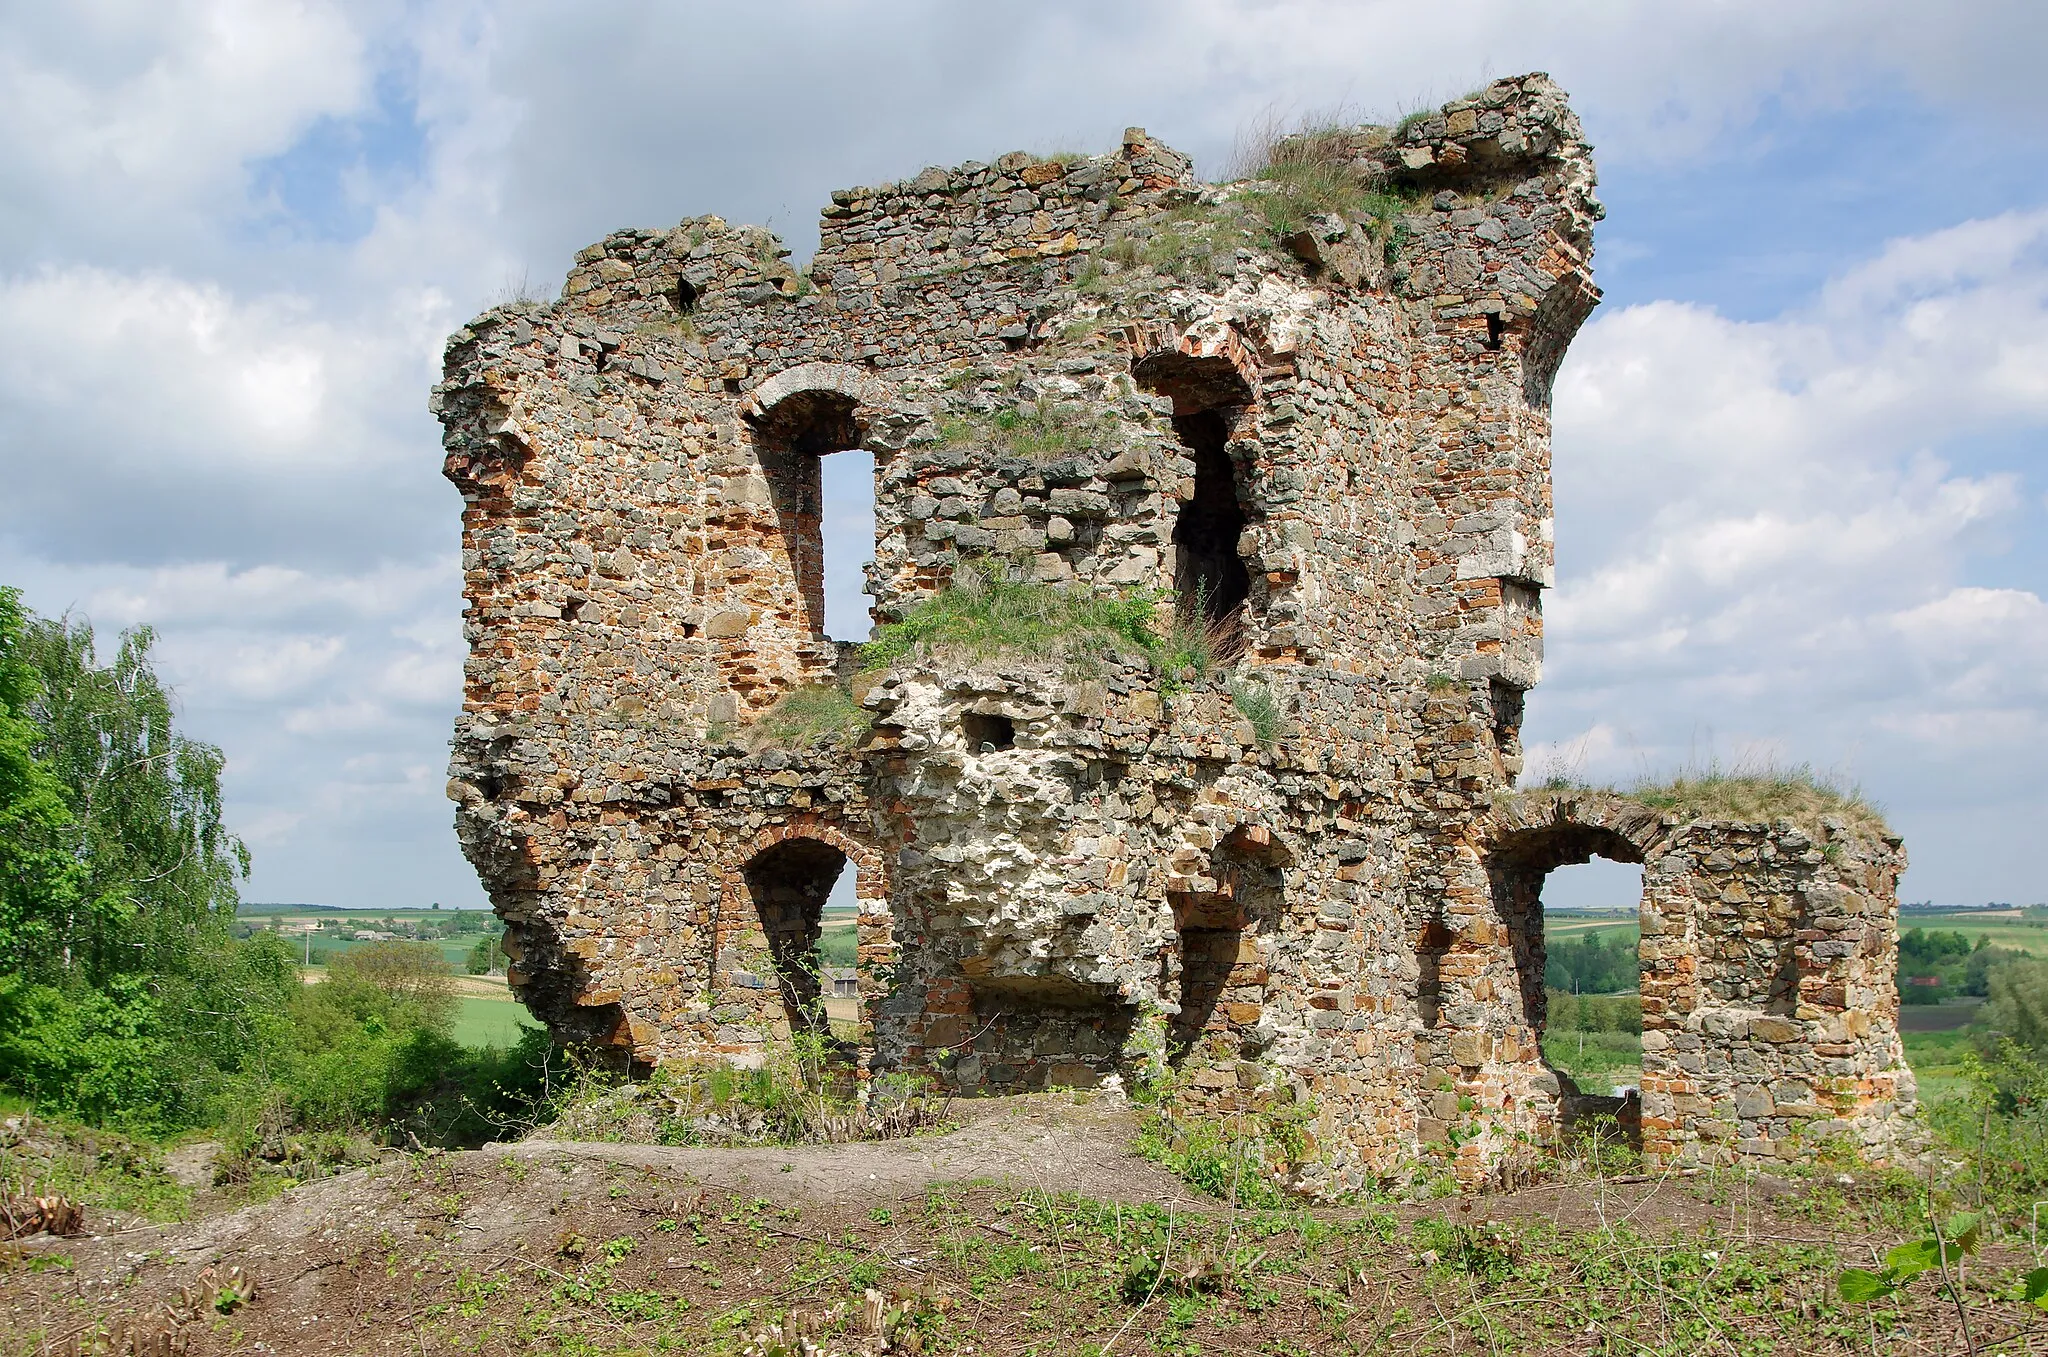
{"x":1067,"y":371}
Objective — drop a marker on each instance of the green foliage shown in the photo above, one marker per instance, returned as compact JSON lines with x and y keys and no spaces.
{"x":1942,"y":1247}
{"x":807,"y":717}
{"x":983,"y":613}
{"x":1260,"y":709}
{"x":39,"y":880}
{"x":1592,"y":964}
{"x":1947,"y":958}
{"x":159,"y":867}
{"x":1317,"y":170}
{"x":487,"y":956}
{"x":2019,"y":1005}
{"x":1041,"y":430}
{"x":1245,"y":1159}
{"x":1568,"y":1012}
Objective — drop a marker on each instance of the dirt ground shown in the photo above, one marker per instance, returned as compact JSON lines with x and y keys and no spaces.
{"x":1030,"y":1228}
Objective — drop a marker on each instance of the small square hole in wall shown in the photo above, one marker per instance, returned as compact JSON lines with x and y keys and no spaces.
{"x":986,"y":734}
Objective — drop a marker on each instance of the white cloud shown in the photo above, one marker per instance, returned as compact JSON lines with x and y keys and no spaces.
{"x":129,"y":109}
{"x":1761,"y":551}
{"x":216,"y":426}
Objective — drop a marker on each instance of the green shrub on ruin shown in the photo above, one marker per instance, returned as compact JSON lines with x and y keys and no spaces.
{"x":1760,"y":795}
{"x":1038,"y":431}
{"x":1260,"y":709}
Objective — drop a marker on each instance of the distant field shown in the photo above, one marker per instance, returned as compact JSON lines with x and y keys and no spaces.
{"x":491,"y":1022}
{"x":2021,"y":936}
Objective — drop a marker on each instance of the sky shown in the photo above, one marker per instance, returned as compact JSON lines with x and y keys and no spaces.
{"x":1801,"y":489}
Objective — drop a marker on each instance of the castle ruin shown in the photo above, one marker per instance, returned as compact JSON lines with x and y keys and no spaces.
{"x":1322,"y":438}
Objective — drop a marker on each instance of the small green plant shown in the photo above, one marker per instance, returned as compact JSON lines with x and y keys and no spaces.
{"x":1759,"y":791}
{"x":1260,"y":709}
{"x":1045,"y":430}
{"x":1941,"y":1248}
{"x":1441,"y":684}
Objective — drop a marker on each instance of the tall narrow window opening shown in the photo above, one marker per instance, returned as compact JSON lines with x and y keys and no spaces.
{"x":826,"y":510}
{"x":1209,"y":575}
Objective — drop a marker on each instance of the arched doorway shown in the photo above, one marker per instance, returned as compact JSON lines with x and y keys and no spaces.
{"x":825,"y":519}
{"x":786,"y":959}
{"x":789,"y":884}
{"x":1595,"y":983}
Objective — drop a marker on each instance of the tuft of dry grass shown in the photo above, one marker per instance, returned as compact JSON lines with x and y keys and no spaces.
{"x":1750,"y":793}
{"x":808,"y":717}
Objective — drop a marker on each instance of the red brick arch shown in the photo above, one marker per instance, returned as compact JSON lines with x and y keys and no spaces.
{"x":871,"y":890}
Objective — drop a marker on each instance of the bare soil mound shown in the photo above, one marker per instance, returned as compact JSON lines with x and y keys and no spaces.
{"x":1032,"y":1227}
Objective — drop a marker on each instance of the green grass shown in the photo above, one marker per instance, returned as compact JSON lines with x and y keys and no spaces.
{"x":1750,"y":794}
{"x":1049,"y":431}
{"x":1596,"y":1061}
{"x":982,"y":614}
{"x":809,"y":717}
{"x":2021,"y":937}
{"x":483,"y":1022}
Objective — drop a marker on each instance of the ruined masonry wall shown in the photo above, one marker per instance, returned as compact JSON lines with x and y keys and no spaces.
{"x":1034,"y":351}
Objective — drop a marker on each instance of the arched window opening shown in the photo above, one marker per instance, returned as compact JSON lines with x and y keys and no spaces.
{"x":790,"y":884}
{"x":827,"y":517}
{"x":1209,"y":575}
{"x":1573,"y":926}
{"x":1592,"y":974}
{"x":684,"y":296}
{"x":1430,"y":947}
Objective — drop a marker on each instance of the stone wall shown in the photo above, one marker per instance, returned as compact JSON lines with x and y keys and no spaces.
{"x":1328,"y":441}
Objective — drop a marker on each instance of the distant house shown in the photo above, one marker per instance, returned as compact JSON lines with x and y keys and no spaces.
{"x":372,"y":935}
{"x":1923,"y":980}
{"x":843,"y":981}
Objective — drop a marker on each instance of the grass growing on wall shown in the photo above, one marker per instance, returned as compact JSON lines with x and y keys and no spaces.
{"x":983,"y":613}
{"x":1749,"y":793}
{"x":810,"y":716}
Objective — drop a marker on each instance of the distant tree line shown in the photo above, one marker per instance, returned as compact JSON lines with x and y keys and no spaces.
{"x":1937,"y":964}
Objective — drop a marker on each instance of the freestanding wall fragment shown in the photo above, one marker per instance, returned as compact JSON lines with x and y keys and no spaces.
{"x":1317,"y":431}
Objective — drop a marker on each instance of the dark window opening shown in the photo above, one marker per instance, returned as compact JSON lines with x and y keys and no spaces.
{"x":1508,"y":701}
{"x":1429,"y":983}
{"x":987,"y":733}
{"x":689,"y":630}
{"x":826,"y":516}
{"x":789,"y":884}
{"x":1496,"y":326}
{"x":685,"y":296}
{"x":1209,"y":575}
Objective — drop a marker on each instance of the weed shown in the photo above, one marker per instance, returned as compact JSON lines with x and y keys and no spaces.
{"x":1760,"y":792}
{"x":1041,"y":431}
{"x":984,"y":613}
{"x":1260,"y":709}
{"x":1442,"y":684}
{"x":808,"y":717}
